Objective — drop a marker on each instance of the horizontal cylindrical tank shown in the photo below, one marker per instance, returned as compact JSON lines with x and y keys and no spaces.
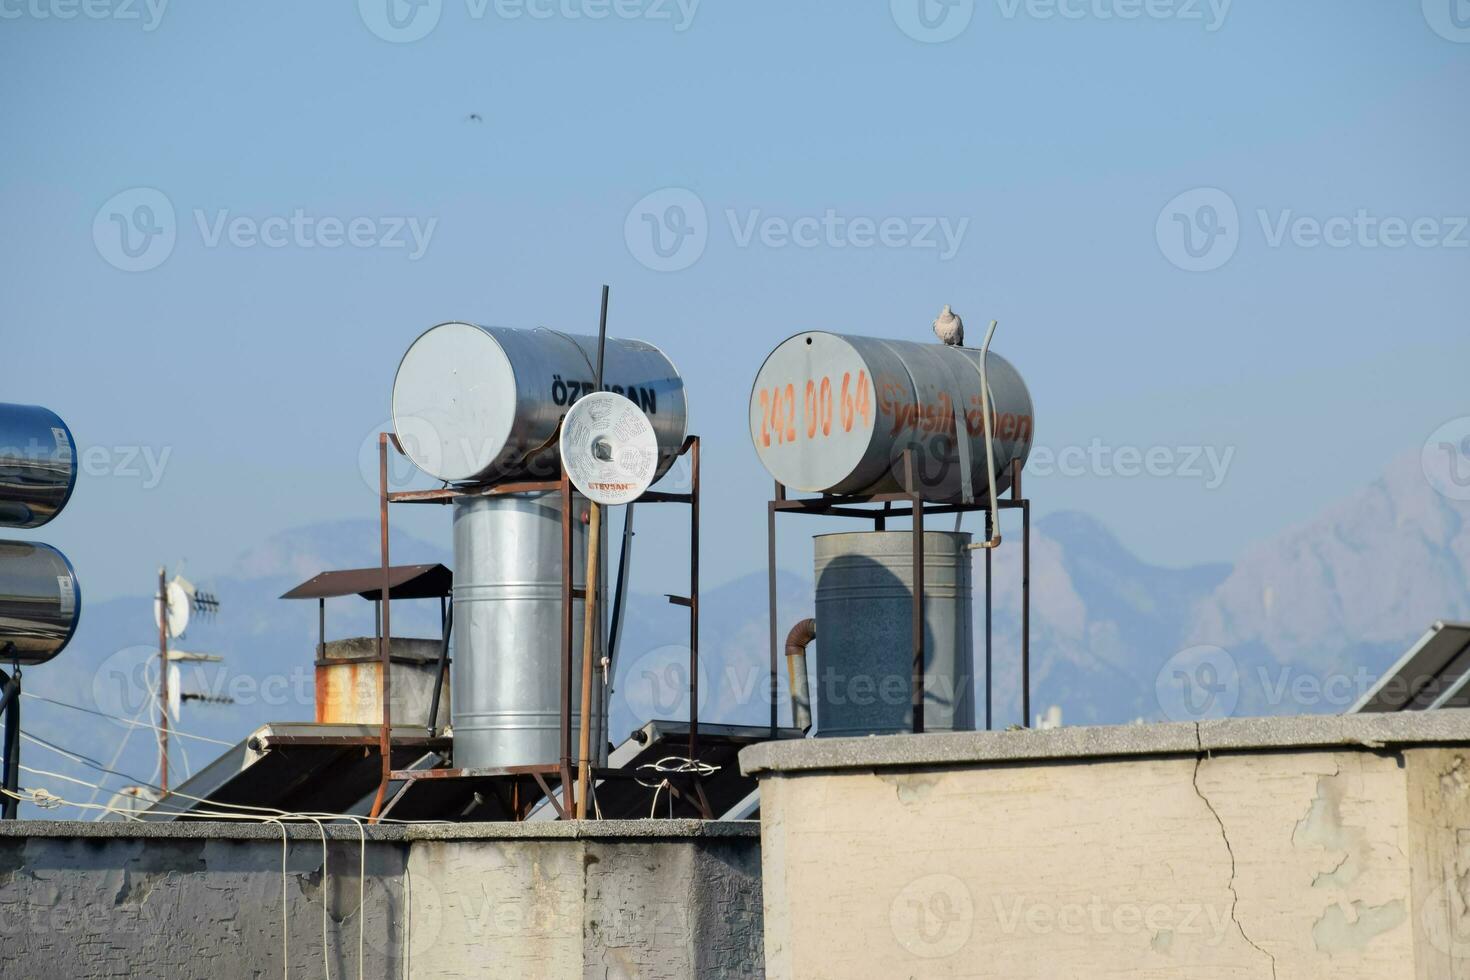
{"x":832,"y":413}
{"x":482,"y":404}
{"x":864,"y":663}
{"x":40,"y":602}
{"x":38,"y":465}
{"x":506,"y":670}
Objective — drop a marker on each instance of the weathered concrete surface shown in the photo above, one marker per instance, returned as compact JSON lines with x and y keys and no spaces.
{"x":645,"y":899}
{"x":1298,"y":848}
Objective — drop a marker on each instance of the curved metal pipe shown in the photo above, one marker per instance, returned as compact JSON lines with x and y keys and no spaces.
{"x":797,"y":640}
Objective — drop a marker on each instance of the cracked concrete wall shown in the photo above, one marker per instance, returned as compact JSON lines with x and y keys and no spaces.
{"x":652,"y":902}
{"x":1343,"y":863}
{"x":194,"y":907}
{"x":611,"y":910}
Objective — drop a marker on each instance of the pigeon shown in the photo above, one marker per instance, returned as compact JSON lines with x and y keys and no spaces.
{"x":949,"y":328}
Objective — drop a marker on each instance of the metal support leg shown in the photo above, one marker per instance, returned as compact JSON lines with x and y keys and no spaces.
{"x":989,"y":616}
{"x":694,"y":603}
{"x":917,"y":684}
{"x":1026,"y":613}
{"x":10,"y":809}
{"x":771,"y":597}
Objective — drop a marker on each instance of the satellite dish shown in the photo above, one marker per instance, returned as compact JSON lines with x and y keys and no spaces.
{"x":608,"y":448}
{"x":180,"y":595}
{"x":175,"y":694}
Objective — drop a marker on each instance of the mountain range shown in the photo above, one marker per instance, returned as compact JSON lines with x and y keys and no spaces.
{"x":1303,"y":622}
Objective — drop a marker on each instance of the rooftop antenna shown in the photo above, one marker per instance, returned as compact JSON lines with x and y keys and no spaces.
{"x":173,"y":606}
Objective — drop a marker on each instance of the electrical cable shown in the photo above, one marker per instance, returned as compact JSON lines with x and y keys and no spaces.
{"x":131,"y":723}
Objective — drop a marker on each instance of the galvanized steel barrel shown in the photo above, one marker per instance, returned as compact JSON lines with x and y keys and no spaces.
{"x":505,"y":678}
{"x":476,"y":404}
{"x":40,"y":602}
{"x":832,"y":413}
{"x":864,"y":660}
{"x":38,"y":465}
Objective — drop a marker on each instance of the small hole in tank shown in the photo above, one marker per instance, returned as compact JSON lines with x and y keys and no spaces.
{"x":809,"y":341}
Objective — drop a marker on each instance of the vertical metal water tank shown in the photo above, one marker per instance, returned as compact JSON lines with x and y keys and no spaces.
{"x":38,"y":465}
{"x":482,"y":404}
{"x":864,"y":660}
{"x":505,"y":681}
{"x":832,"y":413}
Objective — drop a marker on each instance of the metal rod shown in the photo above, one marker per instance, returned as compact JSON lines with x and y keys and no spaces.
{"x":989,"y":613}
{"x":321,"y":629}
{"x":771,"y":596}
{"x":694,"y":603}
{"x":10,"y":809}
{"x":385,"y":681}
{"x":566,"y":644}
{"x":446,"y":620}
{"x":1026,"y":613}
{"x":601,"y":339}
{"x":917,"y":684}
{"x":163,"y":679}
{"x":589,"y":632}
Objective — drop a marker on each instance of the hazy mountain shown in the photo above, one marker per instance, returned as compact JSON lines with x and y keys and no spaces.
{"x":1323,"y":607}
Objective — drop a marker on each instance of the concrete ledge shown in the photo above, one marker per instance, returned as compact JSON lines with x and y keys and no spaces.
{"x":1450,"y":727}
{"x":609,"y":830}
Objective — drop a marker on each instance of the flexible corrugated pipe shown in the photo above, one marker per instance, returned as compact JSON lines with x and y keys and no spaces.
{"x":801,"y":700}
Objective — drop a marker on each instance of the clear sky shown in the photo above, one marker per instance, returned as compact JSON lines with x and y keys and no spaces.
{"x":1024,"y":157}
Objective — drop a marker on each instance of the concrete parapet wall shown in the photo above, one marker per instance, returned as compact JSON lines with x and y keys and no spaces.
{"x":646,"y":899}
{"x":1275,"y":848}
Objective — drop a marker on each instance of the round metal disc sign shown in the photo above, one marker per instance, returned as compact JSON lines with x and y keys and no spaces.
{"x":609,"y":449}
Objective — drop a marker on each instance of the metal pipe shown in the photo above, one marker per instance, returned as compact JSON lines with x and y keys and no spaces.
{"x":11,"y":806}
{"x":448,"y":630}
{"x":771,"y":595}
{"x":385,"y":682}
{"x":694,"y":600}
{"x":987,"y":422}
{"x":797,"y":640}
{"x":163,"y":679}
{"x":589,"y":631}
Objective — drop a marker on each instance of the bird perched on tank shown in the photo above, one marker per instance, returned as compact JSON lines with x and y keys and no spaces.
{"x":949,"y":328}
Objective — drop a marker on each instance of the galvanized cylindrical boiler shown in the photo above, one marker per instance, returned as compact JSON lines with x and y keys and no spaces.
{"x":862,"y":684}
{"x":475,"y":404}
{"x":38,"y":465}
{"x":507,"y":666}
{"x":40,"y":602}
{"x":832,"y":413}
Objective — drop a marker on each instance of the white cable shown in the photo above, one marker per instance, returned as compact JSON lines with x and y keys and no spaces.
{"x":326,"y":878}
{"x":987,"y":420}
{"x":285,"y":925}
{"x":134,"y":723}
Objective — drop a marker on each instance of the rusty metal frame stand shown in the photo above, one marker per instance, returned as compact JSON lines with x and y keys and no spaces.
{"x":852,"y":506}
{"x":562,"y":770}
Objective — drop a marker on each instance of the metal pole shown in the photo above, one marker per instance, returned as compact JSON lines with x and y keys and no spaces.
{"x":694,"y":602}
{"x":989,"y":612}
{"x":10,"y":809}
{"x":1026,"y":613}
{"x":911,"y":485}
{"x":163,"y":679}
{"x":601,"y":339}
{"x":446,"y":620}
{"x":321,"y":629}
{"x":771,"y":589}
{"x":589,"y":631}
{"x":385,"y":680}
{"x":566,"y":644}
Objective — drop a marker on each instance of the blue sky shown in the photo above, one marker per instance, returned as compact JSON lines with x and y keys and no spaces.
{"x":227,"y":389}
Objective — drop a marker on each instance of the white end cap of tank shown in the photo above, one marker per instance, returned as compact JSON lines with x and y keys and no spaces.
{"x":813,"y":411}
{"x":454,"y":402}
{"x":609,"y":449}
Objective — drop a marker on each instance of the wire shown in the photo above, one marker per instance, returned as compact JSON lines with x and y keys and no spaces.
{"x":84,"y":760}
{"x":134,"y":723}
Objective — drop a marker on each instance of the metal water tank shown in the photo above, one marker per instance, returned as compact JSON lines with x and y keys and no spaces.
{"x":505,"y":676}
{"x":864,"y":658}
{"x":482,"y":404}
{"x":38,"y":465}
{"x":832,"y":413}
{"x":40,"y":602}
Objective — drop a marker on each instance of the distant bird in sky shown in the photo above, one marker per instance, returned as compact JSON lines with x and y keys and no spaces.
{"x":474,"y":117}
{"x":949,"y":328}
